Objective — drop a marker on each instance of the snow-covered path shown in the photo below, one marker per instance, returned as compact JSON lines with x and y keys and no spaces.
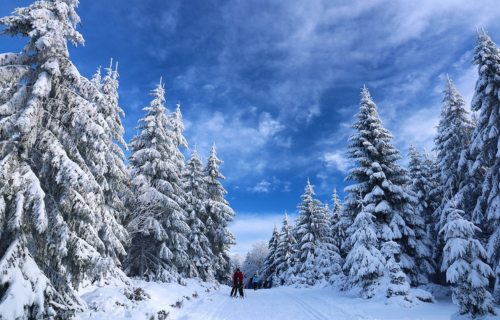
{"x":201,"y":302}
{"x":277,"y":303}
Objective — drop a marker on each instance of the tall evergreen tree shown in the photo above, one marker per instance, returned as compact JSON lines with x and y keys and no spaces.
{"x":481,"y":162}
{"x":56,"y":232}
{"x":313,"y":236}
{"x":284,"y":250}
{"x":200,"y":254}
{"x":379,"y":182}
{"x":463,"y":262}
{"x":454,"y":133}
{"x":421,"y":184}
{"x":177,"y":127}
{"x":219,"y":215}
{"x":338,"y":233}
{"x":269,"y":267}
{"x":116,"y":178}
{"x":159,"y":228}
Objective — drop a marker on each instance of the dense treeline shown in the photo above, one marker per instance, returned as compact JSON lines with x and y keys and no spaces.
{"x":71,"y":212}
{"x":437,"y":221}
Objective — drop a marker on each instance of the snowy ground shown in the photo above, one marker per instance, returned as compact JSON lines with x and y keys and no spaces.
{"x":202,"y":302}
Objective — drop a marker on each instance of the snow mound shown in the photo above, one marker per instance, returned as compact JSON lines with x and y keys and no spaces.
{"x":142,"y":300}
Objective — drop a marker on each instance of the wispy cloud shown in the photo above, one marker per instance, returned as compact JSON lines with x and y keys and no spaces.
{"x":263,"y":186}
{"x":276,"y":184}
{"x":337,"y":160}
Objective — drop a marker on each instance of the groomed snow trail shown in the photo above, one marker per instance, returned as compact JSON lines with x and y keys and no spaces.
{"x":277,"y":304}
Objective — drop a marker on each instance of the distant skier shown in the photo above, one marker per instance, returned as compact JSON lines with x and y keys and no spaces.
{"x":270,"y":284}
{"x":255,"y":282}
{"x":250,"y":283}
{"x":282,"y":281}
{"x":237,"y":283}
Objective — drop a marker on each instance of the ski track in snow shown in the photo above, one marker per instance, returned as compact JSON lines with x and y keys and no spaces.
{"x":276,"y":304}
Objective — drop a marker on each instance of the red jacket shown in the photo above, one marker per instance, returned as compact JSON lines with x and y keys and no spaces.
{"x":238,"y":274}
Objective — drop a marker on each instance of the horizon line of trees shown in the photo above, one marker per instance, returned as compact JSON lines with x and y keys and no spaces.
{"x":437,"y":221}
{"x":71,"y":212}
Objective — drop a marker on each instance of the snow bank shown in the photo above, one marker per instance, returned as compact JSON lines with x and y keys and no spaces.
{"x":140,"y":301}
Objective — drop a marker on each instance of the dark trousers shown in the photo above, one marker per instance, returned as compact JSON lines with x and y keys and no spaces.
{"x":237,"y":288}
{"x":255,"y":285}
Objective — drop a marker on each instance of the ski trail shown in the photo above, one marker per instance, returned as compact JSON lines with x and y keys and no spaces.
{"x":306,"y":309}
{"x":264,"y":304}
{"x":315,"y":313}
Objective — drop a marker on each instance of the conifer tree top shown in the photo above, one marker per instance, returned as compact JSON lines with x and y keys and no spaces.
{"x":33,"y":22}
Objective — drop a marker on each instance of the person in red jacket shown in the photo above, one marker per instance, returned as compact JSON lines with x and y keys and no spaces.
{"x":237,"y":283}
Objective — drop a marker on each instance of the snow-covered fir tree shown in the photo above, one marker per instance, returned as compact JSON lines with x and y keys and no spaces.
{"x":177,"y":127}
{"x":219,"y":215}
{"x":480,"y":192}
{"x":60,"y":233}
{"x":268,"y":269}
{"x":314,"y":243}
{"x":380,"y":182}
{"x":201,"y":257}
{"x":338,"y":233}
{"x":115,"y":176}
{"x":398,"y":286}
{"x":421,"y":184}
{"x":453,"y":137}
{"x":104,"y":158}
{"x":158,"y":226}
{"x":285,"y":246}
{"x":463,"y":262}
{"x":337,"y":204}
{"x":364,"y":264}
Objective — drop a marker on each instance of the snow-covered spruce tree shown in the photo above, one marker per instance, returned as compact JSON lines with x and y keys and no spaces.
{"x":313,"y":239}
{"x":284,"y":250}
{"x":364,"y":263}
{"x":454,"y":133}
{"x":219,"y":215}
{"x":463,"y":262}
{"x":115,"y":176}
{"x":481,"y":162}
{"x":379,"y":181}
{"x":420,"y":172}
{"x":398,"y":286}
{"x":104,"y":158}
{"x":200,"y":254}
{"x":177,"y":128}
{"x":338,"y":233}
{"x":55,"y":230}
{"x":268,"y":269}
{"x":158,"y":226}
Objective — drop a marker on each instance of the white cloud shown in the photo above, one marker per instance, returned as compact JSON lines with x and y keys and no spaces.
{"x":261,"y":187}
{"x":420,"y":128}
{"x":337,"y":161}
{"x":265,"y":186}
{"x":268,"y":126}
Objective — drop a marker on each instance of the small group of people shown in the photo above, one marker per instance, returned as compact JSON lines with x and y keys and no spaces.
{"x":254,"y":283}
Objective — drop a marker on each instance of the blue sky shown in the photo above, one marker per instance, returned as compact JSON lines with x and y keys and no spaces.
{"x":275,"y":83}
